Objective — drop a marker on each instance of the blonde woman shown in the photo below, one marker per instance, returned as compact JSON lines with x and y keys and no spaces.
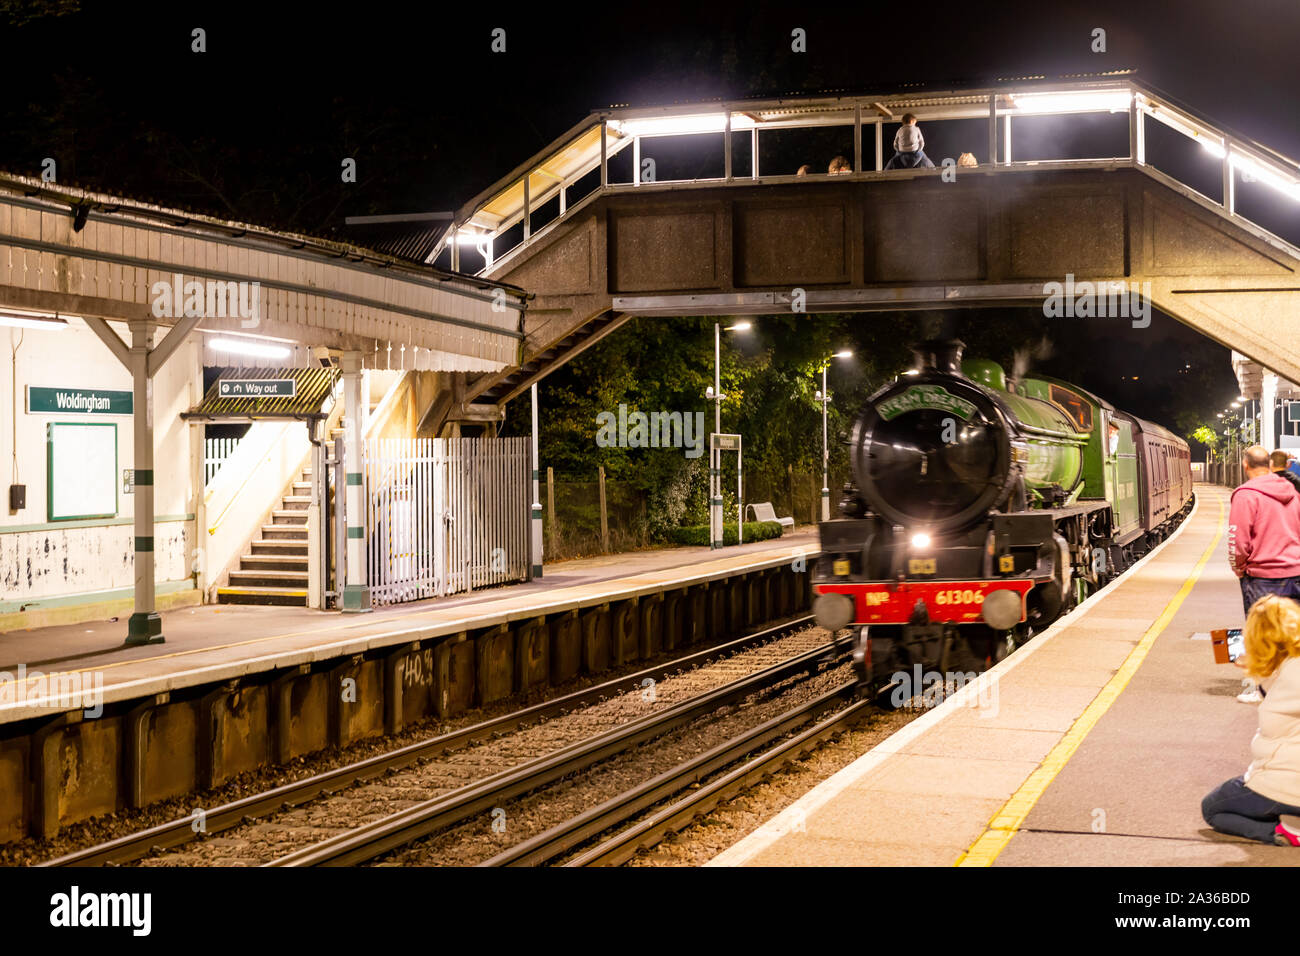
{"x":1264,"y":803}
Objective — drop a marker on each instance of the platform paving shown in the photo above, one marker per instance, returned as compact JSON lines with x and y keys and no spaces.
{"x":223,"y":641}
{"x":1130,"y":791}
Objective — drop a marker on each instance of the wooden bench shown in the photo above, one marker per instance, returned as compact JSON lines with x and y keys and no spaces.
{"x":763,"y":511}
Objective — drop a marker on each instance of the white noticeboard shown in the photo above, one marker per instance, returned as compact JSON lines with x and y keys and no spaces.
{"x":82,"y":470}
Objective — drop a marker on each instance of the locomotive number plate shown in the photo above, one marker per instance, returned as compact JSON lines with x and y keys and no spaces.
{"x":920,"y":566}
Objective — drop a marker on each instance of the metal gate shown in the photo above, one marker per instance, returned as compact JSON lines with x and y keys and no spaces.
{"x":445,"y":515}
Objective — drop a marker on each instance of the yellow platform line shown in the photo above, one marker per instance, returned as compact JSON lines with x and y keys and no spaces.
{"x":1008,"y":820}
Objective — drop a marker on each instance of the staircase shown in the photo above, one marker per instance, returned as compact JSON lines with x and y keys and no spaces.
{"x":275,"y":570}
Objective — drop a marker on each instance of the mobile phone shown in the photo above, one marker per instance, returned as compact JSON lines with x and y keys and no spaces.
{"x":1236,"y":644}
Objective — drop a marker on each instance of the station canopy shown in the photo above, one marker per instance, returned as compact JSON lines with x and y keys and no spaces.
{"x":264,"y":394}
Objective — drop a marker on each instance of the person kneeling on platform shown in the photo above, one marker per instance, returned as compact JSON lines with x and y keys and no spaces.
{"x":1264,"y":803}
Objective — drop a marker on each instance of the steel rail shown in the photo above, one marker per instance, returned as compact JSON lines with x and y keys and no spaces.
{"x":399,"y":829}
{"x":180,"y":831}
{"x":626,"y":806}
{"x":624,"y":845}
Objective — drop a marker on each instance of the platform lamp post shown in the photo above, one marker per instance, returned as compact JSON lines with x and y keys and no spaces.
{"x":714,"y":394}
{"x":824,"y":398}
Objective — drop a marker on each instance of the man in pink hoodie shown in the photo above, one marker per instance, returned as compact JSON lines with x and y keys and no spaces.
{"x":1264,"y":531}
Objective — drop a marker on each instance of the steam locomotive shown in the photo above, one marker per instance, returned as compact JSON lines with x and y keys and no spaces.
{"x":982,"y":509}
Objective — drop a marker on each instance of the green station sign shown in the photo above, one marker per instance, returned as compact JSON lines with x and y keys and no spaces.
{"x":257,"y":388}
{"x":78,"y":401}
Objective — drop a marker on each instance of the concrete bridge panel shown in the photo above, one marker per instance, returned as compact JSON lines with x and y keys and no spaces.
{"x":664,"y":249}
{"x":1054,"y":231}
{"x":1185,"y":241}
{"x":565,"y":265}
{"x":791,"y":243}
{"x":924,"y":239}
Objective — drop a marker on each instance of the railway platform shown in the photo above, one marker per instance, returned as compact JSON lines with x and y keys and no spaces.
{"x":248,"y":638}
{"x":89,"y":727}
{"x":1091,"y":746}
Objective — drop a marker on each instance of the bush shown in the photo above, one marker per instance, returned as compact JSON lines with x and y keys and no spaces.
{"x":698,"y":535}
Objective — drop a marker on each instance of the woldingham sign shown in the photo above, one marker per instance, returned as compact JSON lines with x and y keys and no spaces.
{"x":78,"y":401}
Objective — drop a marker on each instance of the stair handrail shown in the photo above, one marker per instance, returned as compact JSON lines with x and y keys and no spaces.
{"x":331,"y":403}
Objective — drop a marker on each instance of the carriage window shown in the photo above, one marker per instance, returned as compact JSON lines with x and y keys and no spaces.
{"x":1080,"y":411}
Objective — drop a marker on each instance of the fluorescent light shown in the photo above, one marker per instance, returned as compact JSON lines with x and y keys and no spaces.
{"x":238,"y":347}
{"x":680,"y":125}
{"x":20,"y":319}
{"x":1263,"y":174}
{"x":1085,"y":102}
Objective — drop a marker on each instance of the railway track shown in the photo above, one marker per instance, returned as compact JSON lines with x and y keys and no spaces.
{"x":181,"y":831}
{"x":370,"y":841}
{"x":754,"y":747}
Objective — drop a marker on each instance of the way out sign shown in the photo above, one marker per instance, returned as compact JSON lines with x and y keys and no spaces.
{"x":256,"y":387}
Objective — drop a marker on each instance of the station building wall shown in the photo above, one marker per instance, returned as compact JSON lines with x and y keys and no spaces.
{"x":61,"y":571}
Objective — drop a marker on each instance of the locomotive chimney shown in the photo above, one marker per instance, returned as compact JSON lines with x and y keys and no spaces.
{"x":940,"y":355}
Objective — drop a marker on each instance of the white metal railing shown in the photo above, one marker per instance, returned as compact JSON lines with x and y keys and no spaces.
{"x":215,"y":453}
{"x":553,"y":171}
{"x":445,"y":515}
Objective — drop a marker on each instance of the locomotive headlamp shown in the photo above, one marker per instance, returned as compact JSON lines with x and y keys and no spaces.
{"x":920,"y":540}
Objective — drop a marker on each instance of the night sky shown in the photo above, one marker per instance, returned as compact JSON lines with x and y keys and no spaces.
{"x":255,"y":127}
{"x":414,"y":92}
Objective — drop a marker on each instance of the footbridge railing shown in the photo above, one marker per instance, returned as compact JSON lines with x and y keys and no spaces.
{"x":733,"y":136}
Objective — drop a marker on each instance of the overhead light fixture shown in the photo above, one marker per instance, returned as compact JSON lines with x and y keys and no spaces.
{"x":1100,"y":101}
{"x":1252,"y":170}
{"x":843,"y":354}
{"x":740,"y":327}
{"x":1214,"y":149}
{"x":21,"y":319}
{"x":254,"y":349}
{"x":913,"y":371}
{"x":680,"y":125}
{"x":920,"y":540}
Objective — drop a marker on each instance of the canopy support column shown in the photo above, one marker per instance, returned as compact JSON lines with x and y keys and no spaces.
{"x":356,"y":590}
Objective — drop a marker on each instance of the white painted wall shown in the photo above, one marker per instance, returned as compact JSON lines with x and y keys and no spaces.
{"x":250,"y":483}
{"x":50,"y":559}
